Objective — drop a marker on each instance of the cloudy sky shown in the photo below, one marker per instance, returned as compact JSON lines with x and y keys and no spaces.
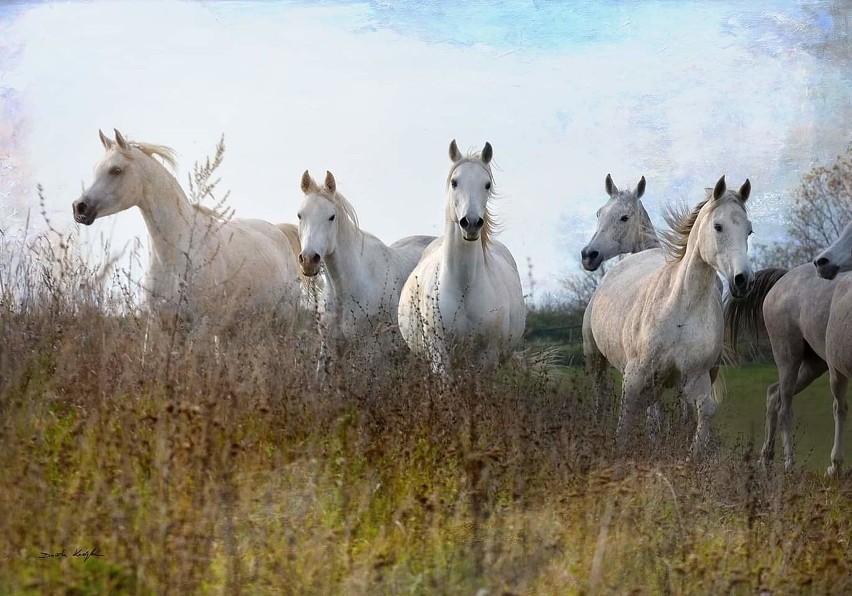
{"x":374,"y":91}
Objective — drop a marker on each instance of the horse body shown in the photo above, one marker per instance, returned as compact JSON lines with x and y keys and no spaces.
{"x":807,"y":313}
{"x":660,"y":322}
{"x":202,"y":267}
{"x":292,"y":233}
{"x":363,"y":276}
{"x":809,"y":323}
{"x":465,"y":292}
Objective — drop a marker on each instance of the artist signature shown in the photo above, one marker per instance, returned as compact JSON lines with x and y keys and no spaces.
{"x":80,"y":552}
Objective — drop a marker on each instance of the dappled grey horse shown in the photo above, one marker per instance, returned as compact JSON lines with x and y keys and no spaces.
{"x":661,"y":323}
{"x":623,"y":227}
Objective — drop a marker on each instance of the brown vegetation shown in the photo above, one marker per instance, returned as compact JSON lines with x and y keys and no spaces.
{"x":195,"y":465}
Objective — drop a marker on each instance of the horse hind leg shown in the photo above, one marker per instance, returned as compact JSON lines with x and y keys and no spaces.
{"x":597,"y":368}
{"x":838,"y":392}
{"x":632,"y":398}
{"x":767,"y":452}
{"x":809,"y":368}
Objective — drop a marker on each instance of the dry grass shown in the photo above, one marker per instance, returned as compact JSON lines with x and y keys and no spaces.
{"x":193,"y":467}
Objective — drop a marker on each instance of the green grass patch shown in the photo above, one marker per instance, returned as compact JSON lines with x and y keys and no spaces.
{"x":741,"y":415}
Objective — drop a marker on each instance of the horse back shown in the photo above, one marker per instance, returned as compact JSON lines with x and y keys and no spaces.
{"x":410,"y":249}
{"x":798,"y":308}
{"x":291,"y":231}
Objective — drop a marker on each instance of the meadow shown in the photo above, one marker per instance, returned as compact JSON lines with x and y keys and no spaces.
{"x":181,"y":464}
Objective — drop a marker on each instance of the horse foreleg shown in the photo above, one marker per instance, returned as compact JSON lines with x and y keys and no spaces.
{"x":838,"y":392}
{"x":632,"y":388}
{"x":700,"y":393}
{"x":654,"y":421}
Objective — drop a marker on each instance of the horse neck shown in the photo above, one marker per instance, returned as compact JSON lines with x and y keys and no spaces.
{"x":346,"y":265}
{"x":463,"y":260}
{"x":167,"y":212}
{"x":693,"y":279}
{"x":647,"y":240}
{"x":647,"y":236}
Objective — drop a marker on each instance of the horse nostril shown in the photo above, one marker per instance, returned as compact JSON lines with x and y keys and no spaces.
{"x":593,"y":255}
{"x":301,"y":258}
{"x":821,"y":262}
{"x":739,"y":280}
{"x":315,"y":259}
{"x":464,"y":223}
{"x":80,"y":208}
{"x":479,"y":223}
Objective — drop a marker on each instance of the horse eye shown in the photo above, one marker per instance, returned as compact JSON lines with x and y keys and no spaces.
{"x":299,"y":215}
{"x":717,"y":227}
{"x":625,"y":217}
{"x":331,"y":218}
{"x":115,"y":170}
{"x":487,"y":186}
{"x":454,"y":183}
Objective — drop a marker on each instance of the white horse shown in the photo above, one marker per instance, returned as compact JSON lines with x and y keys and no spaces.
{"x":661,"y":324}
{"x":465,"y":294}
{"x":623,"y":227}
{"x":203,"y":268}
{"x":363,"y":276}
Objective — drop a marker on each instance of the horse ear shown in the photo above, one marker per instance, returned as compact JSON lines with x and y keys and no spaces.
{"x":330,"y":184}
{"x":611,"y":189}
{"x":307,"y":182}
{"x":105,"y":141}
{"x":719,"y":190}
{"x":640,"y":188}
{"x":745,"y":190}
{"x":122,"y":142}
{"x":455,"y":154}
{"x":487,"y":153}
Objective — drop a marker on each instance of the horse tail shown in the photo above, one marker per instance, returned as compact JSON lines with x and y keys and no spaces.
{"x":747,"y":312}
{"x":536,"y":361}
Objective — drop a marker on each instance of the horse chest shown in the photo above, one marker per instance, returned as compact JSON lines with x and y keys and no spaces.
{"x":468,"y":307}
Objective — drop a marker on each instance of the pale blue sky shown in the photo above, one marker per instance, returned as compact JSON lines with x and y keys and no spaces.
{"x":566,"y":93}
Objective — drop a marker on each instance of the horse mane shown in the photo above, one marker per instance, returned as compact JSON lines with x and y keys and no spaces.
{"x":681,"y":220}
{"x":650,"y":239}
{"x":339,"y":201}
{"x":492,"y":225}
{"x":166,"y":154}
{"x":168,"y":158}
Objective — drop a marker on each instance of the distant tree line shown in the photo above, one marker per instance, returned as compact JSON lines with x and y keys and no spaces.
{"x":821,"y":207}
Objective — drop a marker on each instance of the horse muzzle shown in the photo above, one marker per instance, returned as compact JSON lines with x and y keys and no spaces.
{"x":310,"y":264}
{"x":591,"y":259}
{"x":741,"y":284}
{"x":84,"y":212}
{"x":825,"y":268}
{"x":471,"y":228}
